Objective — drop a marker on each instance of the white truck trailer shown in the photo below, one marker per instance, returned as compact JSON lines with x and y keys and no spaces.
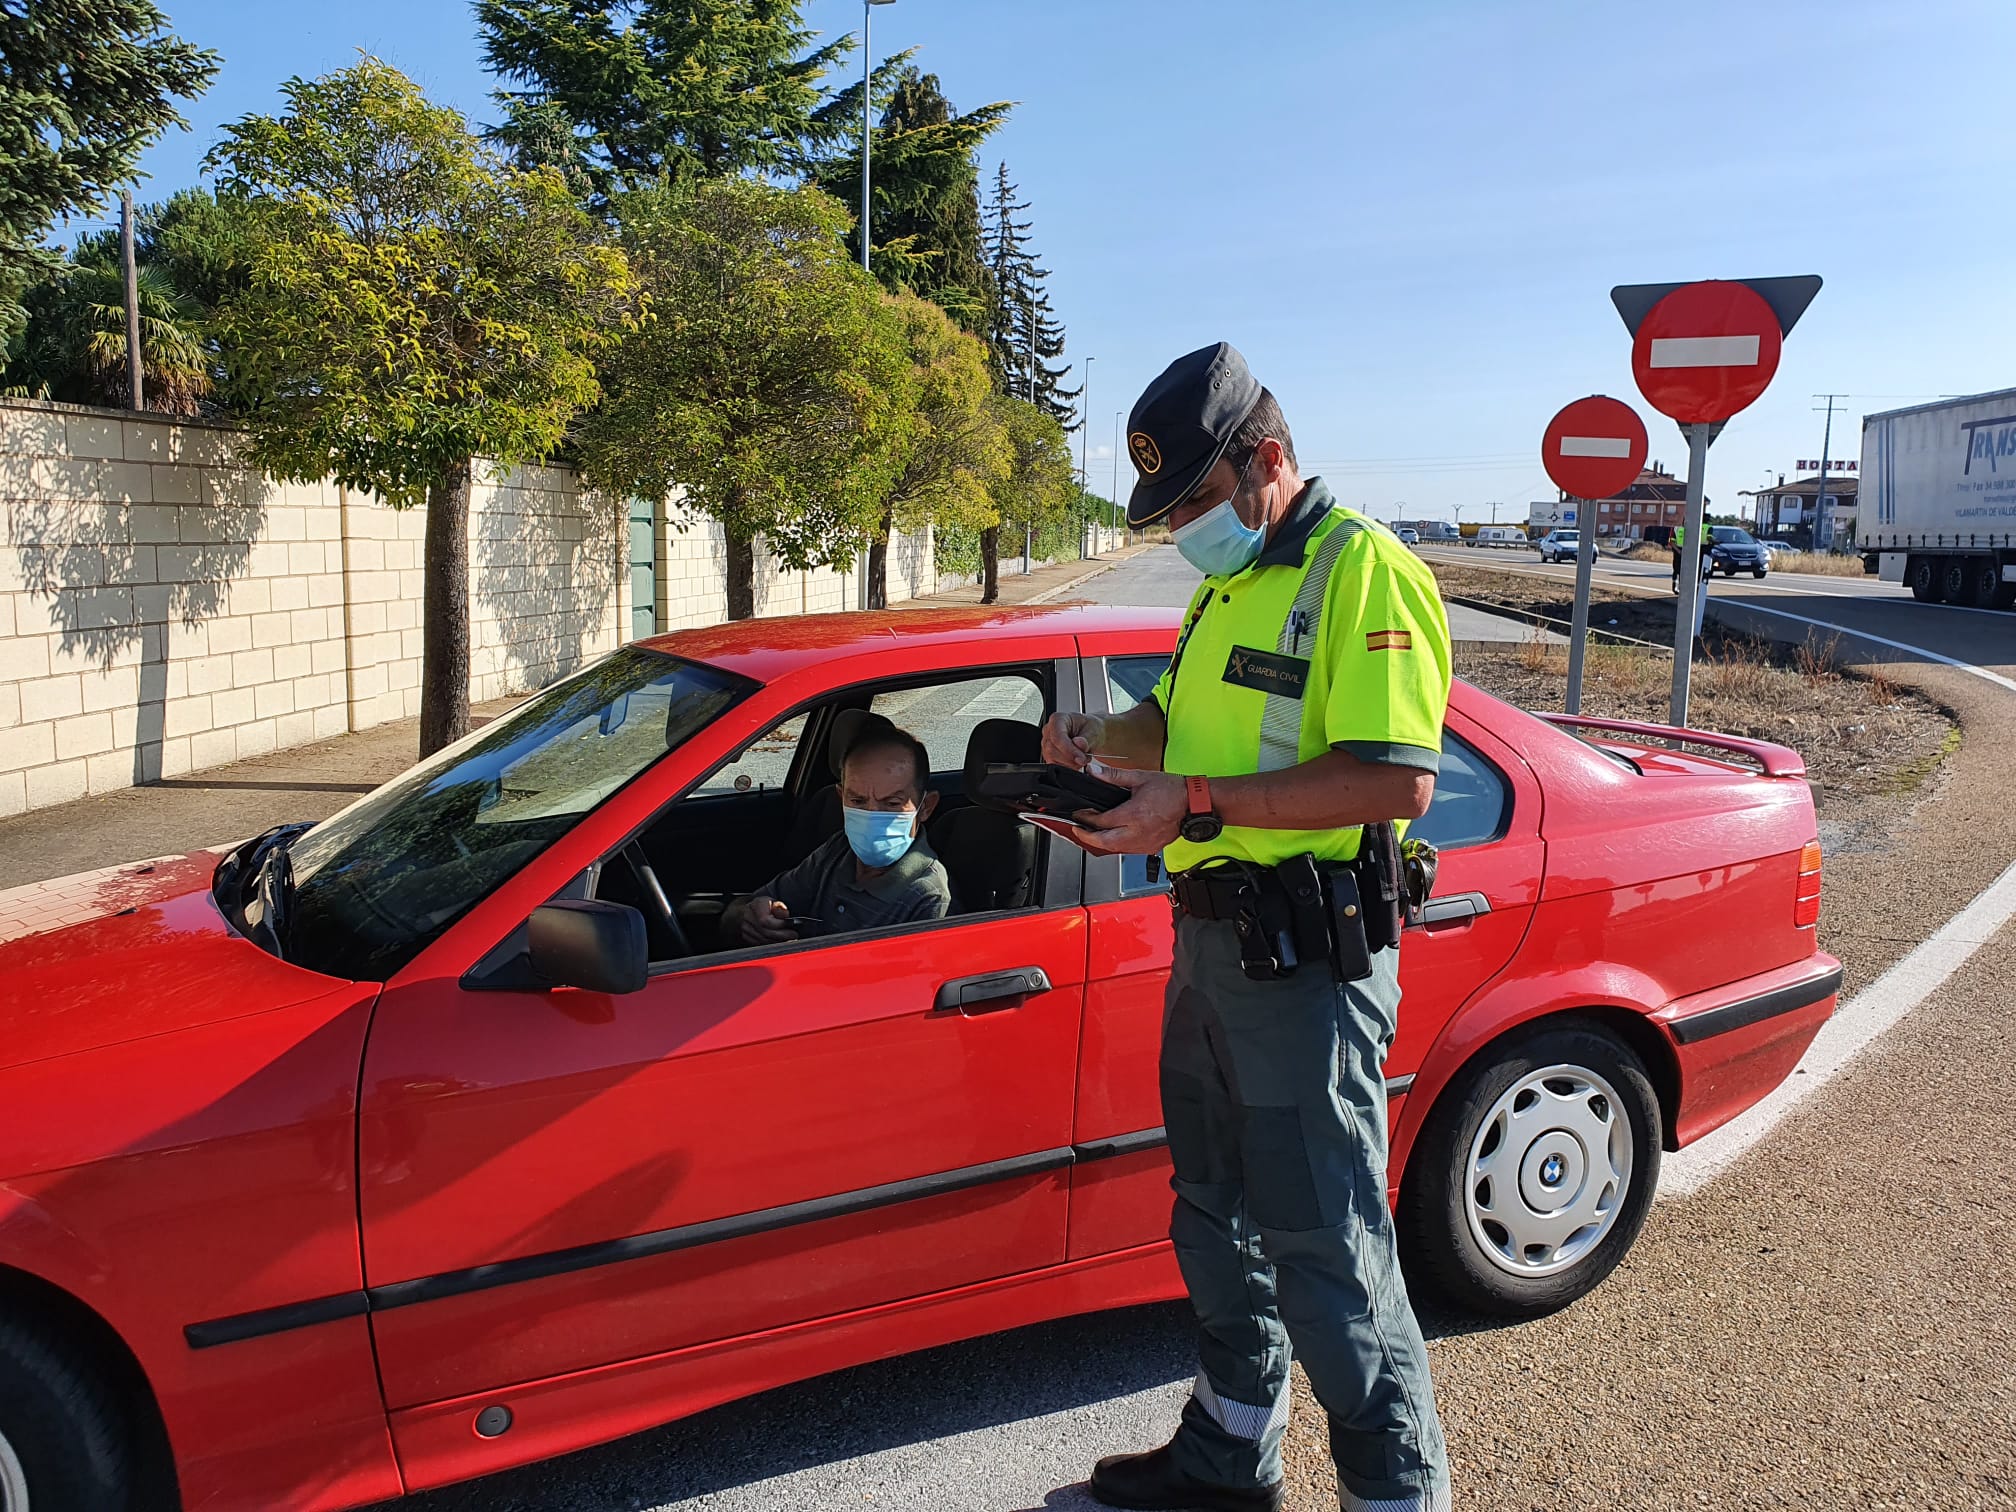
{"x":1938,"y":499}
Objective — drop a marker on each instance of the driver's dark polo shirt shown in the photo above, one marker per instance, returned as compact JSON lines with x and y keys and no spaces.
{"x":825,"y":886}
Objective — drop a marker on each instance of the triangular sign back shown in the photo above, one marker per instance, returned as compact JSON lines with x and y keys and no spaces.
{"x":1788,"y":298}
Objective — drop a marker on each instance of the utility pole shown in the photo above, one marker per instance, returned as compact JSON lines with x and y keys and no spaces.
{"x":133,"y":380}
{"x":1114,"y":502}
{"x":1823,"y":517}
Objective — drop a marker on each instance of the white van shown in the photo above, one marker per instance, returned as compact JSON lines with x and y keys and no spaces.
{"x":1499,"y":535}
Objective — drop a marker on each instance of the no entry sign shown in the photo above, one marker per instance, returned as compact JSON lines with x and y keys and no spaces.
{"x":1594,"y":448}
{"x":1706,"y":351}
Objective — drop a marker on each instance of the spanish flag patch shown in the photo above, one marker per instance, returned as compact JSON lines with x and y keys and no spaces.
{"x":1389,"y":640}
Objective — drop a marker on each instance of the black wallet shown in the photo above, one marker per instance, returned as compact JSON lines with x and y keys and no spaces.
{"x":1039,"y":788}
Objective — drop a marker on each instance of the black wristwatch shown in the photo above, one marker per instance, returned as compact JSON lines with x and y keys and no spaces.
{"x":1201,"y":826}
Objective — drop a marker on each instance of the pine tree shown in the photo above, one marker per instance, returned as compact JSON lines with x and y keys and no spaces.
{"x":1023,"y":331}
{"x":927,"y":234}
{"x":667,"y":91}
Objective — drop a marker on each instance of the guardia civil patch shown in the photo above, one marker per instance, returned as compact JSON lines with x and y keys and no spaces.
{"x":1389,"y":640}
{"x":1265,"y":672}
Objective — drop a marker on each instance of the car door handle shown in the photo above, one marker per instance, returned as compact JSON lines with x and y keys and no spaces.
{"x":991,"y":992}
{"x":1457,"y":908}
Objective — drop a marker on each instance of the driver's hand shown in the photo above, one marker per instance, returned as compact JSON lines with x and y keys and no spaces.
{"x":1070,"y":739}
{"x":767,"y":922}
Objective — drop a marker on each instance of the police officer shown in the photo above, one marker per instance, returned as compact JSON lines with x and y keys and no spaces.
{"x":1304,"y":704}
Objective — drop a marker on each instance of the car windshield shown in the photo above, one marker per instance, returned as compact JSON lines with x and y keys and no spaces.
{"x":376,"y":883}
{"x":1729,"y":535}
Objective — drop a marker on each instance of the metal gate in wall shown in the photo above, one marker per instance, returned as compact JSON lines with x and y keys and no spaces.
{"x":643,"y":571}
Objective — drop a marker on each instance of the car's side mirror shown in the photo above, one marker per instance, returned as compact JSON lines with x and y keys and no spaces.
{"x":598,"y":947}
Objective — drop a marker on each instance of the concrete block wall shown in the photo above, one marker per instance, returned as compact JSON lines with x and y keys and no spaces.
{"x":164,"y":608}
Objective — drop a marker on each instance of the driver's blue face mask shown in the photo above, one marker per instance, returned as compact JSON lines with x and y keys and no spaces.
{"x":879,"y":838}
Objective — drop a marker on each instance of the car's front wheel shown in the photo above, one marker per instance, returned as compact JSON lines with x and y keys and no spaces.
{"x":1534,"y":1172}
{"x":63,"y":1434}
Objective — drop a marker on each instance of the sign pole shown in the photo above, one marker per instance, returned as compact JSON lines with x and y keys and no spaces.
{"x":1578,"y":635}
{"x":1686,"y":624}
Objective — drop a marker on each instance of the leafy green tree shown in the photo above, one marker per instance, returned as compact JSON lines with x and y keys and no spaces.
{"x":85,"y":86}
{"x":412,"y":304}
{"x":667,"y":91}
{"x":927,"y":235}
{"x":540,"y":134}
{"x":1037,"y":490}
{"x":772,"y":385}
{"x":958,"y":448}
{"x":1022,"y":330}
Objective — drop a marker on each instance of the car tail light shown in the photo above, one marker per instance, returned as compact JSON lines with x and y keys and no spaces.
{"x":1806,"y":901}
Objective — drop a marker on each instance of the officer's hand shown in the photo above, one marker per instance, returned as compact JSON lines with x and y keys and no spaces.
{"x":1145,"y":823}
{"x":1070,"y":739}
{"x":767,"y":922}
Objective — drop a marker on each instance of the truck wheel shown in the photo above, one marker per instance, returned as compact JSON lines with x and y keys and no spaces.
{"x":1533,"y":1173}
{"x":64,"y":1445}
{"x":1953,"y":582}
{"x":1984,"y":582}
{"x":1925,"y":577}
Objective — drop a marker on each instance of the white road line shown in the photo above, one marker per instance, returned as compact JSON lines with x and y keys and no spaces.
{"x":1704,"y":351}
{"x":1871,"y":1013}
{"x":1981,"y":672}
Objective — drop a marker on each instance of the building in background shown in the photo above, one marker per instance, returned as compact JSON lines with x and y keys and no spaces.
{"x":1652,"y":504}
{"x":1785,"y":510}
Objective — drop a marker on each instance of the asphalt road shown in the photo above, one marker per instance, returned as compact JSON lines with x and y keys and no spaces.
{"x":1858,"y":607}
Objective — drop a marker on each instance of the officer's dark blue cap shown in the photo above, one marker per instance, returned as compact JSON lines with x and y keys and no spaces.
{"x":1182,"y":425}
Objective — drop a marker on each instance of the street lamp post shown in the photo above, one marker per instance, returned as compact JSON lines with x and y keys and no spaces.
{"x":1114,"y":502}
{"x":867,"y":115}
{"x":867,"y":150}
{"x":1084,"y":443}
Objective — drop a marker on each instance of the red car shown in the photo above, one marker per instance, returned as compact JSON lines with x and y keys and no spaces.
{"x":443,"y":1135}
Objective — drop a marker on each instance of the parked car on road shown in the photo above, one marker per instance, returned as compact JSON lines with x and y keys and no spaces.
{"x":1776,"y":549}
{"x":1733,"y":550}
{"x":448,"y":1134}
{"x":1559,"y":545}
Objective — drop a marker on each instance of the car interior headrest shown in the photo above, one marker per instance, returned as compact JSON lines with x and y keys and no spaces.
{"x":849,"y":725}
{"x":999,"y":741}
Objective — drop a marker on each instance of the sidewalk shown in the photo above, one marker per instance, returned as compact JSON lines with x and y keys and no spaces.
{"x":220,"y":805}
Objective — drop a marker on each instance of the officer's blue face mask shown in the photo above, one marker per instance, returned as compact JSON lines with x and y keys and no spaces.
{"x":880,"y":839}
{"x":1218,"y":543}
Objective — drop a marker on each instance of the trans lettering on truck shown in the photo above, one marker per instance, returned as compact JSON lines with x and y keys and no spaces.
{"x":1989,"y":441}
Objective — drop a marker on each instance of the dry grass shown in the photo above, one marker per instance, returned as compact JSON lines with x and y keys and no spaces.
{"x":1649,"y":554}
{"x":1823,"y":563}
{"x":1817,"y":659}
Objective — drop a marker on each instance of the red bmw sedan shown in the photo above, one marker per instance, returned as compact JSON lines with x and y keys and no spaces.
{"x":452,"y":1133}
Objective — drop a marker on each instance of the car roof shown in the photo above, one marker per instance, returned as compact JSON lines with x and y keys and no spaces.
{"x":767,"y":649}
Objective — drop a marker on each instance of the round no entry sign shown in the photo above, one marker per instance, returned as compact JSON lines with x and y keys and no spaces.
{"x":1706,"y":351}
{"x":1595,"y":448}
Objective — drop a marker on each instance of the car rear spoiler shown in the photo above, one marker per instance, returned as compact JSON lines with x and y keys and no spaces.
{"x":1776,"y":760}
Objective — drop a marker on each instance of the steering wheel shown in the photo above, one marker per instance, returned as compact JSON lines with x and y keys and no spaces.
{"x":647,"y":879}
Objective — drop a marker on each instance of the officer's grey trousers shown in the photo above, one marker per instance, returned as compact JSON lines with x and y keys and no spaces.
{"x":1274,"y":1098}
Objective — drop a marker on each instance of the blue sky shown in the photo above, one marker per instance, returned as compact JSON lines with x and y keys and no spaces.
{"x":1409,"y":216}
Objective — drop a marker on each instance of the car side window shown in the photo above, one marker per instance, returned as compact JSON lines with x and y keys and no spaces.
{"x":764,"y":765}
{"x":943,"y":715}
{"x":1470,"y":802}
{"x":1130,"y":679}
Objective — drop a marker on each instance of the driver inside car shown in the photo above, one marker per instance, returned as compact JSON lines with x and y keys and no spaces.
{"x":880,"y":870}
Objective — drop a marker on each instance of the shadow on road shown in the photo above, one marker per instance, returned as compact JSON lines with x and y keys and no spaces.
{"x":985,"y":1383}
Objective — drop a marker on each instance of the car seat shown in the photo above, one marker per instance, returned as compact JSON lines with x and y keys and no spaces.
{"x":819,"y":820}
{"x":989,"y":854}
